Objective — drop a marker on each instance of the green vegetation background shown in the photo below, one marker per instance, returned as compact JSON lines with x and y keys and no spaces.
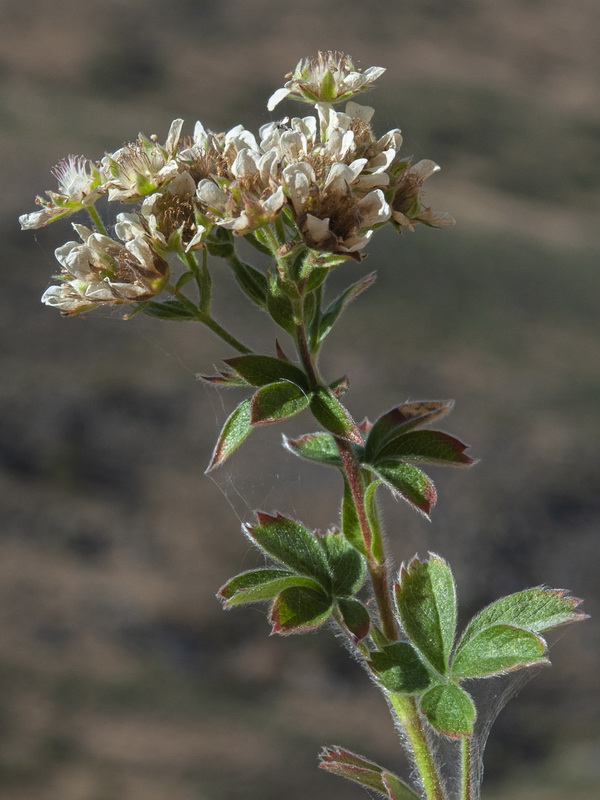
{"x":119,"y":675}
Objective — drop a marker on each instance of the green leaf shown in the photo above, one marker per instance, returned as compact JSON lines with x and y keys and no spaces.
{"x":170,"y":309}
{"x":346,"y":565}
{"x":403,"y":418}
{"x":332,"y":415}
{"x":356,"y":617}
{"x":236,"y":429}
{"x":316,"y":278}
{"x":449,"y":710}
{"x":262,"y":584}
{"x":262,"y":370}
{"x":349,"y":521}
{"x":280,"y":307}
{"x":291,"y":544}
{"x":537,"y":610}
{"x":430,"y":447}
{"x":223,"y":379}
{"x":299,"y":610}
{"x":319,"y":447}
{"x":252,"y":282}
{"x":426,"y":601}
{"x":335,"y":309}
{"x":277,"y":401}
{"x":399,"y":669}
{"x":220,"y":243}
{"x":367,"y":773}
{"x":408,"y":482}
{"x":496,"y":650}
{"x":377,"y":544}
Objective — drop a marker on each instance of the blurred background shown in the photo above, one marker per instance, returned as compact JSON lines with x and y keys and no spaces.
{"x":120,"y":677}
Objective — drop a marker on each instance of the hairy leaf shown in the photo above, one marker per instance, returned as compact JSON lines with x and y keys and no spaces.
{"x":262,"y":584}
{"x":328,"y":410}
{"x":430,"y":447}
{"x":299,"y":610}
{"x":426,"y":600}
{"x":292,"y":545}
{"x":408,"y":482}
{"x":364,"y":772}
{"x":335,"y":309}
{"x":449,"y":710}
{"x":236,"y":429}
{"x":276,"y":402}
{"x":170,"y":309}
{"x":320,"y":447}
{"x":262,"y":370}
{"x":349,"y":521}
{"x":346,"y":565}
{"x":400,"y":669}
{"x":403,"y":418}
{"x":356,"y":617}
{"x":496,"y":650}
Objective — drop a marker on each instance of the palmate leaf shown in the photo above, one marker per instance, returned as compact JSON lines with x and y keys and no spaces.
{"x":236,"y":429}
{"x":426,"y":601}
{"x":346,"y":565}
{"x":496,"y":650}
{"x":355,"y":616}
{"x":449,"y":710}
{"x":262,"y":584}
{"x":299,"y":610}
{"x":367,"y":773}
{"x":292,"y":545}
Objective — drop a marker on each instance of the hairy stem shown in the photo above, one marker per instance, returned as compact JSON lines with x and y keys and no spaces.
{"x":466,"y":786}
{"x":405,"y":708}
{"x":97,"y":220}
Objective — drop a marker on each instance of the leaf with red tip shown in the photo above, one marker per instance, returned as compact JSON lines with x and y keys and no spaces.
{"x":429,"y":447}
{"x":260,"y":370}
{"x":340,"y":761}
{"x":356,"y":617}
{"x":449,"y":710}
{"x":403,"y":418}
{"x":261,"y":584}
{"x":496,"y":650}
{"x":223,"y":379}
{"x":236,"y":429}
{"x":320,"y":447}
{"x":299,"y":610}
{"x":409,"y":483}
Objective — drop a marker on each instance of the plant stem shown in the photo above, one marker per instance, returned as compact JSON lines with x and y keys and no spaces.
{"x":466,"y":786}
{"x":97,"y":220}
{"x":406,"y":710}
{"x":211,"y":323}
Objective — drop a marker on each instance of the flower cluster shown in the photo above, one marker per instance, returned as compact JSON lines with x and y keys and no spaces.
{"x":326,"y":180}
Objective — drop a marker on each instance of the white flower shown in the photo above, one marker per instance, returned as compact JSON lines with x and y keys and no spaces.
{"x":140,"y":168}
{"x":79,"y":186}
{"x":100,"y":270}
{"x":330,"y":77}
{"x":406,"y":200}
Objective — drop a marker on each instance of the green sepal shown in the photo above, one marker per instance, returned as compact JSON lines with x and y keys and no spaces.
{"x":335,"y":309}
{"x":260,"y":370}
{"x":496,"y":650}
{"x":426,"y":603}
{"x":349,"y":521}
{"x":170,"y":309}
{"x":319,"y":447}
{"x":236,"y":429}
{"x":277,"y":401}
{"x":292,"y":545}
{"x":401,"y":419}
{"x":258,"y":245}
{"x":399,"y":669}
{"x":367,"y":773}
{"x":537,"y":609}
{"x":346,"y":565}
{"x":429,"y":447}
{"x":449,"y":710}
{"x":328,"y":88}
{"x":355,"y":616}
{"x":299,"y":610}
{"x":261,"y":584}
{"x":251,"y":281}
{"x":408,"y":482}
{"x":332,"y":415}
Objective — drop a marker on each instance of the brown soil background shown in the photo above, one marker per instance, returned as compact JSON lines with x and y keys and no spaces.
{"x":120,"y":677}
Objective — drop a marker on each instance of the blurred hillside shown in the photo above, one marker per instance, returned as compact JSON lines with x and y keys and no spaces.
{"x":120,"y":676}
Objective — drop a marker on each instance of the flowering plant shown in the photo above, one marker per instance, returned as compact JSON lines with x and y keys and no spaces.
{"x":309,"y":192}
